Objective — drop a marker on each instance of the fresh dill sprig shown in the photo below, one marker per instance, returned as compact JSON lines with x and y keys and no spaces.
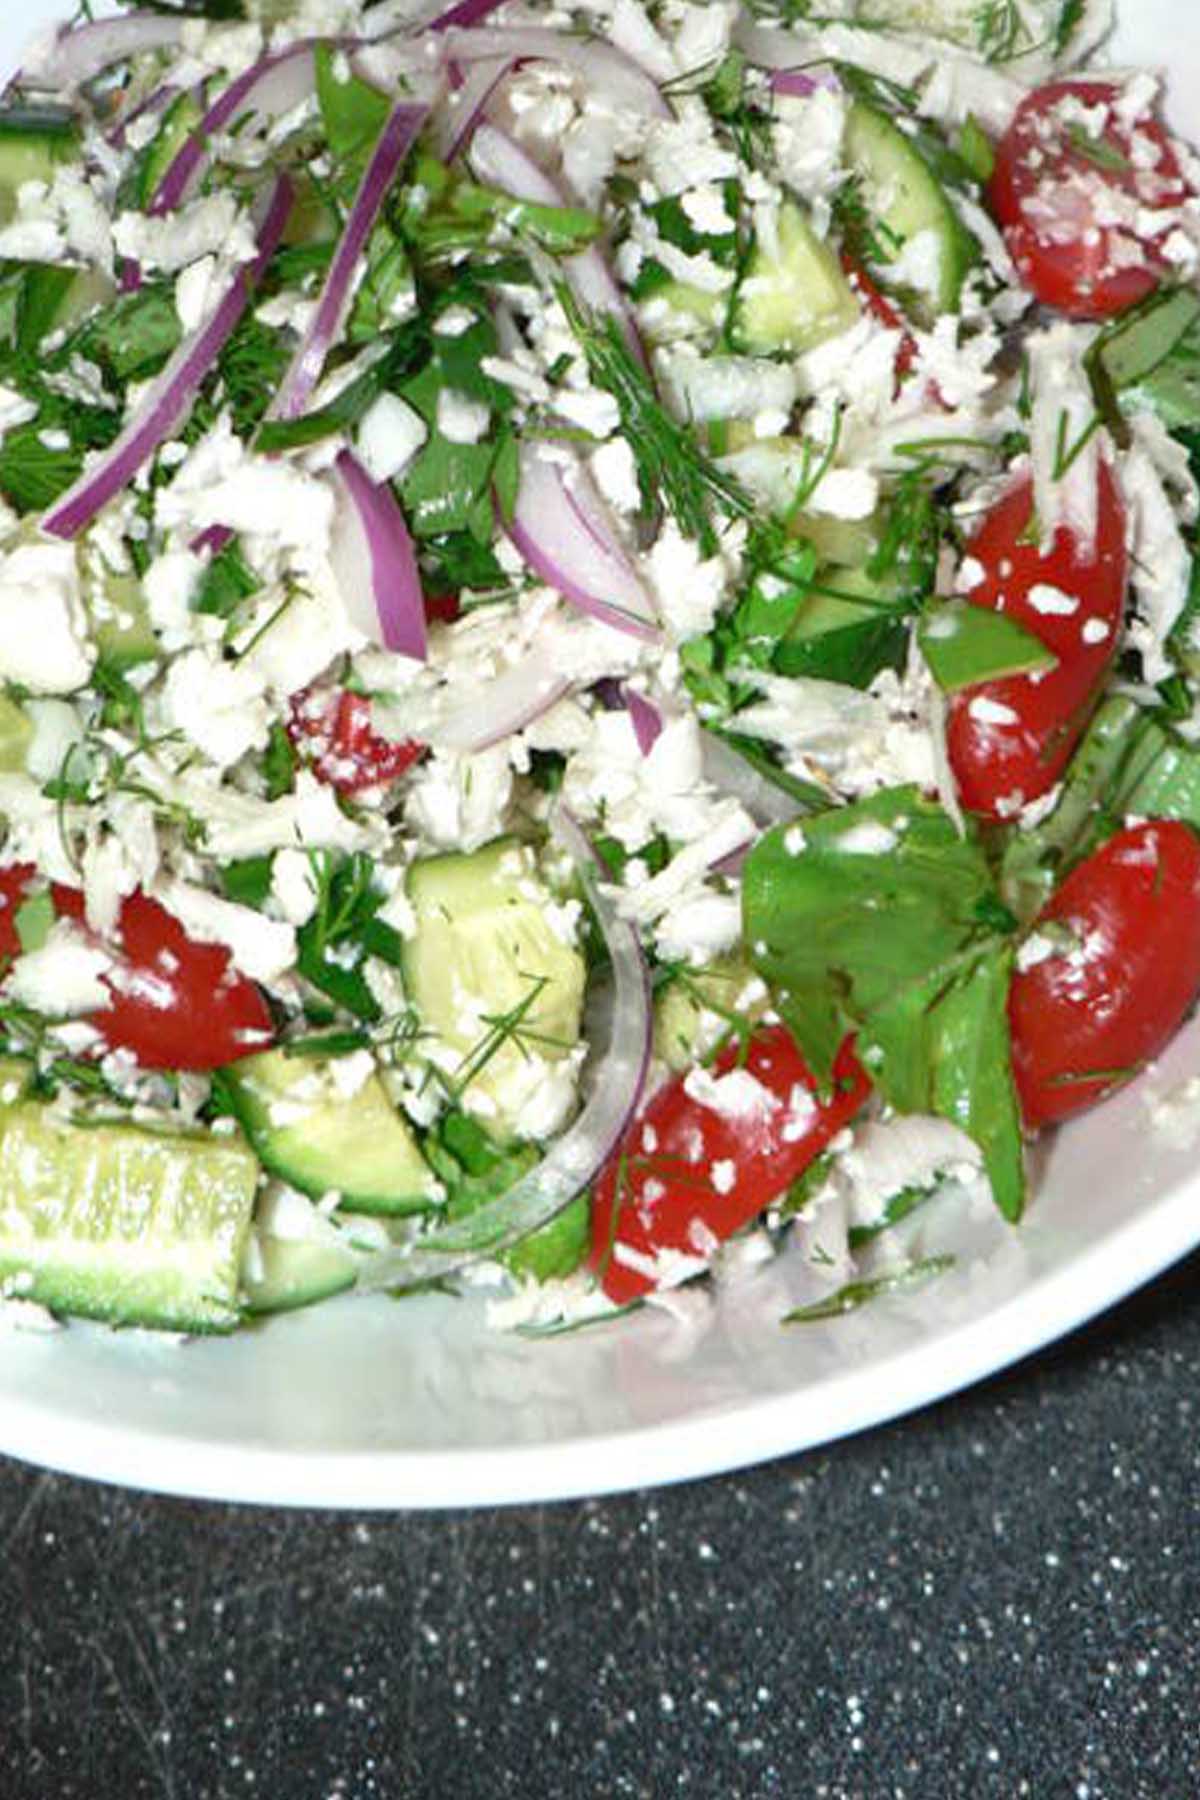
{"x":671,"y":467}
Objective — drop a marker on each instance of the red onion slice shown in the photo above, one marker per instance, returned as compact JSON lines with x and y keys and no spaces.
{"x":374,"y":562}
{"x":799,"y":84}
{"x":395,"y":141}
{"x":603,"y":68}
{"x":170,"y":398}
{"x":645,"y":718}
{"x":506,"y":704}
{"x":467,"y":12}
{"x":557,"y":528}
{"x":267,"y":90}
{"x":81,"y":52}
{"x":575,"y":1158}
{"x":467,"y":102}
{"x":499,"y":162}
{"x":767,"y":803}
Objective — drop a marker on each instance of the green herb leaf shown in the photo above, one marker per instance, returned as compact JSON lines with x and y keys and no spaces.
{"x":965,"y":644}
{"x":857,"y":1293}
{"x":866,"y":900}
{"x":672,"y":469}
{"x":353,"y":113}
{"x":225,"y":583}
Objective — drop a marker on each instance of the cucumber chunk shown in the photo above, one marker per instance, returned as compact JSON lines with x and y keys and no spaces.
{"x":905,"y":201}
{"x":692,"y":1012}
{"x":321,"y":1139}
{"x":793,"y":294}
{"x":121,"y":624}
{"x":122,"y":1224}
{"x":54,"y":298}
{"x":283,"y":1274}
{"x":492,"y":978}
{"x":16,"y":735}
{"x":34,"y":140}
{"x":179,"y":121}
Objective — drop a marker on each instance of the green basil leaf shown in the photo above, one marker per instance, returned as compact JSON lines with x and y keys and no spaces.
{"x":855,"y":903}
{"x":353,"y":113}
{"x":943,"y":1046}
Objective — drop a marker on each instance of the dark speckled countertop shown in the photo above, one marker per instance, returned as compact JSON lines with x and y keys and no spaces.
{"x":999,"y":1597}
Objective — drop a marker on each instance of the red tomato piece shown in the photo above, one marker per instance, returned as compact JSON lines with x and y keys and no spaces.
{"x":709,"y":1152}
{"x":176,"y":1003}
{"x":13,"y":882}
{"x":1010,"y":739}
{"x":442,"y":606}
{"x":336,"y":731}
{"x":877,"y":306}
{"x":1086,"y":201}
{"x":1087,"y":1017}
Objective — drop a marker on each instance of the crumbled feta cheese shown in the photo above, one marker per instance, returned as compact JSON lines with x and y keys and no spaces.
{"x":65,"y":977}
{"x":261,"y":948}
{"x":40,"y":582}
{"x":460,"y":419}
{"x":219,"y":706}
{"x":213,"y":225}
{"x":388,"y":437}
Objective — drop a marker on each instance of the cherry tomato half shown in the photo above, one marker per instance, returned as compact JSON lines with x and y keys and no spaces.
{"x":1084,"y":198}
{"x":709,"y":1152}
{"x":1010,"y":739}
{"x":335,"y":731}
{"x":176,"y":1004}
{"x":1089,"y":1014}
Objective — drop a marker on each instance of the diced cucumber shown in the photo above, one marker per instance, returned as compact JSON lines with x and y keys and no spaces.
{"x":34,"y":140}
{"x":904,"y":200}
{"x":492,"y":977}
{"x":16,"y":735}
{"x":691,"y":1011}
{"x":179,"y":121}
{"x":557,"y":1249}
{"x":54,"y":298}
{"x":283,"y":1274}
{"x":121,"y":624}
{"x":114,"y":1222}
{"x":16,"y":1079}
{"x":321,"y":1139}
{"x":793,"y":295}
{"x":850,"y":543}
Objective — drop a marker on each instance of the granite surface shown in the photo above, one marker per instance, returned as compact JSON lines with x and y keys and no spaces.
{"x":1000,"y":1597}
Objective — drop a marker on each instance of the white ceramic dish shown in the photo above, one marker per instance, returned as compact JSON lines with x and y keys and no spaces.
{"x":377,"y":1404}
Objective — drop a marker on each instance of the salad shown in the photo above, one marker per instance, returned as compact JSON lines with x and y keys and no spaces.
{"x":599,"y":633}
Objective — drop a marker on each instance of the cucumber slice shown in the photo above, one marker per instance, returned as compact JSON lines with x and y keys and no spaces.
{"x":491,"y":977}
{"x":556,"y":1249}
{"x":34,"y":140}
{"x":121,"y":624}
{"x":320,"y":1139}
{"x":283,"y":1274}
{"x":904,"y":200}
{"x":131,"y":1226}
{"x":54,"y":298}
{"x":179,"y":121}
{"x":690,"y":1012}
{"x":793,"y":295}
{"x":16,"y":735}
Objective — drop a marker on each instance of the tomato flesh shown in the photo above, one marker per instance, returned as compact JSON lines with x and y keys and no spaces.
{"x":1081,"y":197}
{"x":877,"y":306}
{"x":336,"y":732}
{"x":1086,"y":1017}
{"x":176,"y":1003}
{"x":708,"y":1153}
{"x":1009,"y":740}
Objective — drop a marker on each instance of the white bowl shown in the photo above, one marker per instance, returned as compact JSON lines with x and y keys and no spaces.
{"x":415,"y":1403}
